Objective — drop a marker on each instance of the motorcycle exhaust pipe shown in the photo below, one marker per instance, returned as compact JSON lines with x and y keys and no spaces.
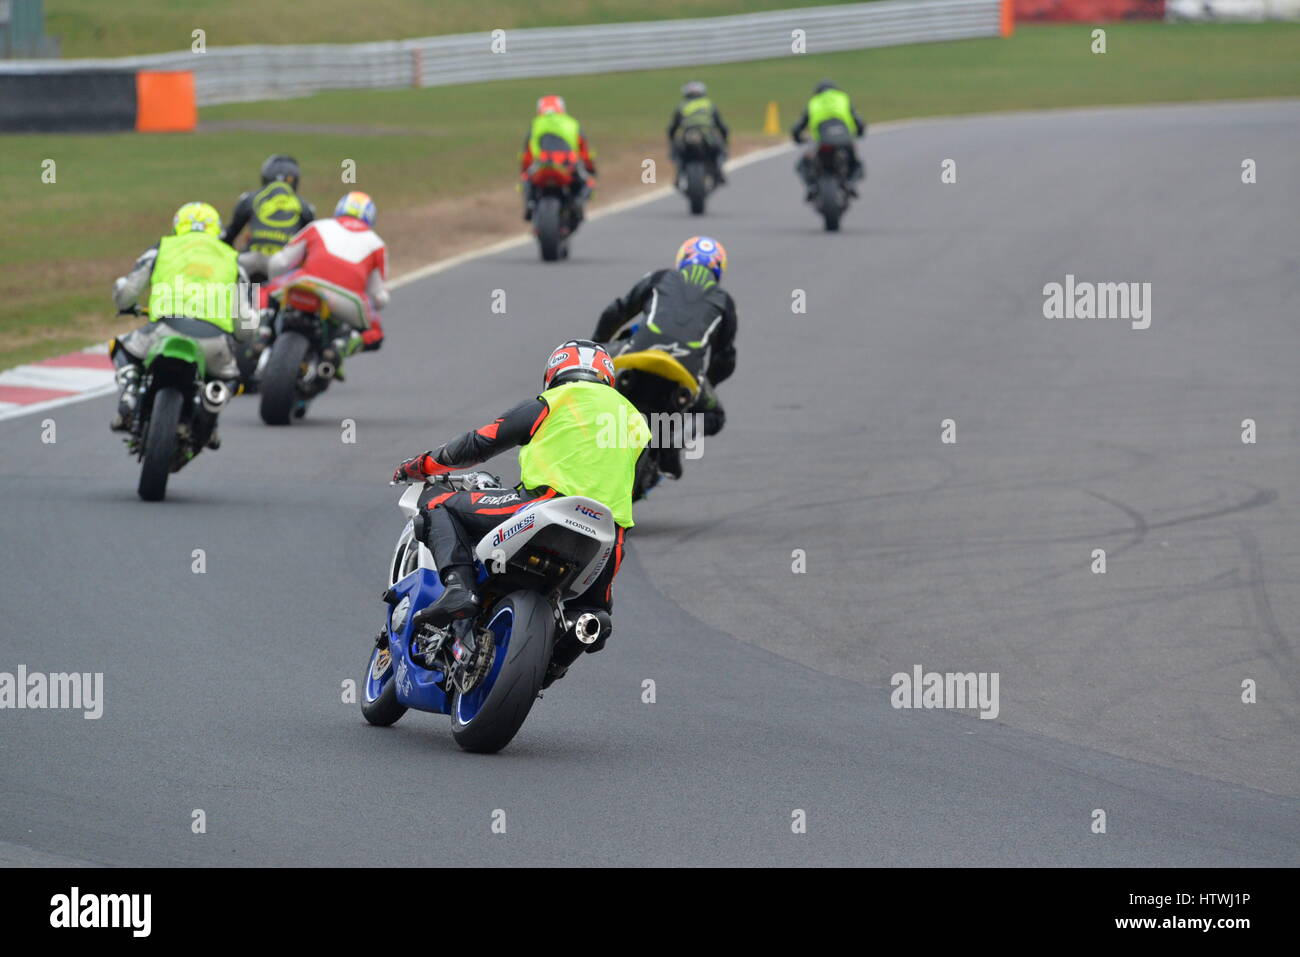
{"x":591,"y":626}
{"x":325,"y":369}
{"x":215,"y":395}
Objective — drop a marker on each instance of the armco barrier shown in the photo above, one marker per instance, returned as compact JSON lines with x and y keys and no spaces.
{"x":234,"y":74}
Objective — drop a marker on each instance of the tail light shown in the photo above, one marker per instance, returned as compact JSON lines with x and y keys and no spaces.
{"x":303,"y":300}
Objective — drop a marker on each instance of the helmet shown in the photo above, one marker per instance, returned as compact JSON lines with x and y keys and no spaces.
{"x":280,"y":167}
{"x":197,"y":218}
{"x":578,"y":360}
{"x":550,"y":104}
{"x":703,"y":251}
{"x":694,"y":90}
{"x":823,"y":86}
{"x":358,"y":205}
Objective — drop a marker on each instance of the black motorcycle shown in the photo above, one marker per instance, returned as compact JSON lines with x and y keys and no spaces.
{"x":303,"y":359}
{"x":830,"y":171}
{"x":697,"y":153}
{"x":658,"y":385}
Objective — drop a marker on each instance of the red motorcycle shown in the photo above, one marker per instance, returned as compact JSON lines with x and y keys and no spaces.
{"x":557,"y":191}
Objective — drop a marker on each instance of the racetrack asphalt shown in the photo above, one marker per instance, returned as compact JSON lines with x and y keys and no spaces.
{"x":1120,"y":692}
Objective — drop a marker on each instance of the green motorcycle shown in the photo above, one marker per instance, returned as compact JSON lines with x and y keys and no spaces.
{"x":176,"y":413}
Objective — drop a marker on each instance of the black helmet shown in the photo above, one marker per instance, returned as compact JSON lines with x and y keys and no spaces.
{"x":280,"y":167}
{"x":823,"y":86}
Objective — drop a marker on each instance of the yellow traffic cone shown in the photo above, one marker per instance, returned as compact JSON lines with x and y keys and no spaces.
{"x":772,"y":122}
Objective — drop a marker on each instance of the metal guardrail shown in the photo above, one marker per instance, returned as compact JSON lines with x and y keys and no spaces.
{"x":237,"y":74}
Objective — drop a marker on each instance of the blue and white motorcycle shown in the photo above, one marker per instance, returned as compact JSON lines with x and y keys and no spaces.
{"x":487,"y":672}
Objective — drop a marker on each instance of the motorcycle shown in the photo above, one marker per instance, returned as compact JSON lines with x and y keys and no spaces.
{"x":303,"y":358}
{"x":487,"y":672}
{"x":177,"y":407}
{"x":832,"y":164}
{"x":656,"y":383}
{"x":556,"y":213}
{"x":697,"y":152}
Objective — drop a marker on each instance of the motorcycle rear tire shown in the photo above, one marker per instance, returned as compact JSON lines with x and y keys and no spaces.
{"x":546,"y":219}
{"x":527,"y":654}
{"x":160,"y":443}
{"x":830,"y":197}
{"x":280,"y":379}
{"x":697,"y":186}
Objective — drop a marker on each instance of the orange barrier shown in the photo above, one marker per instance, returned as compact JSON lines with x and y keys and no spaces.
{"x":1008,"y":17}
{"x":165,"y":102}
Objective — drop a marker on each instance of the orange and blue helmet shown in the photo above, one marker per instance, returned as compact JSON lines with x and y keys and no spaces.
{"x":358,"y":205}
{"x":550,"y":104}
{"x":703,"y":251}
{"x":578,"y":360}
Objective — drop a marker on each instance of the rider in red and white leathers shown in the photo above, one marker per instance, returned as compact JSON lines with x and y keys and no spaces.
{"x":342,"y":260}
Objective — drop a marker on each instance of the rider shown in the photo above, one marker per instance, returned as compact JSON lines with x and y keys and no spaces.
{"x":344,"y":261}
{"x":272,"y":214}
{"x":197,"y":289}
{"x":829,"y":113}
{"x":579,"y":437}
{"x":697,"y":111}
{"x":684,"y":312}
{"x":556,"y":137}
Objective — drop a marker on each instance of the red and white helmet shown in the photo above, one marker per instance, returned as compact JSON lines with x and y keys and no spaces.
{"x":550,"y":104}
{"x":578,"y":360}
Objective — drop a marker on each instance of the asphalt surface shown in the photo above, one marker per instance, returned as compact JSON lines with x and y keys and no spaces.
{"x":1119,"y":692}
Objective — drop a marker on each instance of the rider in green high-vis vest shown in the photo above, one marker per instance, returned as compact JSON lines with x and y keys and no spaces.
{"x":578,"y":437}
{"x":555,"y":139}
{"x":829,"y":114}
{"x":197,"y":289}
{"x":697,"y":111}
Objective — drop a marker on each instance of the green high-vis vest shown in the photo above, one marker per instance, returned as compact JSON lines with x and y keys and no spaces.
{"x":697,"y":112}
{"x":587,"y":445}
{"x":830,"y":105}
{"x":557,"y":124}
{"x":195,"y":275}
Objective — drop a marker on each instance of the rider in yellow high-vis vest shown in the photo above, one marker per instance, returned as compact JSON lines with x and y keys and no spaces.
{"x":829,"y":113}
{"x":273,"y":214}
{"x":698,"y":111}
{"x":196,"y":289}
{"x":579,"y":437}
{"x":555,"y":139}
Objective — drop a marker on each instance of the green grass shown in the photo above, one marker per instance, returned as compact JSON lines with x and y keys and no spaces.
{"x":97,"y":28}
{"x":115,"y":193}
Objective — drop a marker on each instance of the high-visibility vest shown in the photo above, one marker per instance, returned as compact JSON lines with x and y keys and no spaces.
{"x":587,"y":445}
{"x":195,"y":275}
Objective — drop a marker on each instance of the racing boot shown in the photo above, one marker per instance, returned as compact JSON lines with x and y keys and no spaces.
{"x":122,"y":421}
{"x":458,"y":599}
{"x":670,"y":461}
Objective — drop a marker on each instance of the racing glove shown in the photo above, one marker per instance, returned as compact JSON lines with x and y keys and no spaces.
{"x":416,"y":469}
